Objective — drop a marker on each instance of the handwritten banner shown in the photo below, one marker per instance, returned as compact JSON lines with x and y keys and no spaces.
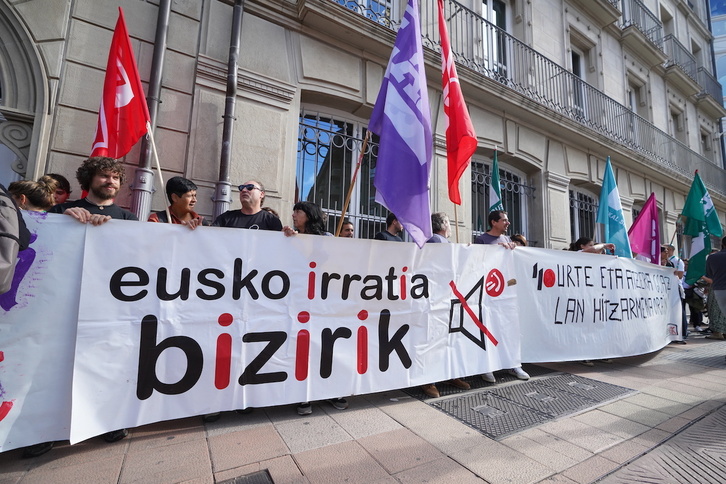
{"x":153,"y":322}
{"x":594,"y":306}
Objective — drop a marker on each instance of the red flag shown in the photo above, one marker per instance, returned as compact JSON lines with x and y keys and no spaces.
{"x":123,"y":113}
{"x":460,"y":136}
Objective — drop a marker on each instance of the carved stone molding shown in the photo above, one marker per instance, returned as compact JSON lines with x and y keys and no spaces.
{"x":16,"y":135}
{"x":213,"y":73}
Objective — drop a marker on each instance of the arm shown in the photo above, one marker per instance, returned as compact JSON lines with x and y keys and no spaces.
{"x":84,"y":216}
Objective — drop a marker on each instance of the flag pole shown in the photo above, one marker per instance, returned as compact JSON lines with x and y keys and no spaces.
{"x":352,"y":183}
{"x":456,"y":223}
{"x":150,"y":132}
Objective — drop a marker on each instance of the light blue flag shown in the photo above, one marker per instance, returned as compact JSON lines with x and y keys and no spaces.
{"x":402,"y":118}
{"x":610,"y":214}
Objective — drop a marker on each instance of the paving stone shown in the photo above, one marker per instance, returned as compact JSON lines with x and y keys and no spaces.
{"x":400,"y":450}
{"x":246,"y":447}
{"x":169,"y":463}
{"x":497,"y":463}
{"x":90,"y":471}
{"x":311,"y":432}
{"x":591,"y":469}
{"x":345,"y":462}
{"x":440,"y":471}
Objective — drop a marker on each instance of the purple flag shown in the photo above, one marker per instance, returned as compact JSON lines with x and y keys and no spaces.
{"x":644,"y":234}
{"x":402,"y":119}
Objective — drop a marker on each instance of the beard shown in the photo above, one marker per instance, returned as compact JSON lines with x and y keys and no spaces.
{"x":102,"y":194}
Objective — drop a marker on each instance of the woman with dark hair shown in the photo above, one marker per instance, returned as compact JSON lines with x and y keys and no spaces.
{"x":307,"y":218}
{"x":519,"y":239}
{"x":586,"y":244}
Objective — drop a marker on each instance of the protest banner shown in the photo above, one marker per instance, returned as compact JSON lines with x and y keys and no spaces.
{"x":182,"y":323}
{"x":591,"y":306}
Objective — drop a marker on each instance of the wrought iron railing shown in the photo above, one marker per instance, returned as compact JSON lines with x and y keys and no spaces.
{"x":679,"y":56}
{"x":709,"y":84}
{"x":497,"y":55}
{"x":637,"y":15}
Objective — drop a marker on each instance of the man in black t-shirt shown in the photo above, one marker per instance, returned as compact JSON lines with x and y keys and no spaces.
{"x":393,"y":228}
{"x":102,"y":178}
{"x":251,"y":215}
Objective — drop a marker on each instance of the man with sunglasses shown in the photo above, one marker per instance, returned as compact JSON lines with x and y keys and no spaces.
{"x":251,"y":215}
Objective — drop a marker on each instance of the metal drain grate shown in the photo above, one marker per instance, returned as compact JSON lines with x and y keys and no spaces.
{"x":259,"y":477}
{"x":491,"y":414}
{"x":500,"y":412}
{"x":696,"y":454}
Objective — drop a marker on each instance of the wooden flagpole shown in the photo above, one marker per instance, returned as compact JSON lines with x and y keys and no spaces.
{"x":352,"y":183}
{"x":150,"y":132}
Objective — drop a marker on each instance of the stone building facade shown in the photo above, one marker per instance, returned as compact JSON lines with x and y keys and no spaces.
{"x":554,"y":86}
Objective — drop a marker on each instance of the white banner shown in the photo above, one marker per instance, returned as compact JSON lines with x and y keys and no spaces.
{"x":38,"y":319}
{"x":174,"y":322}
{"x":585,"y":306}
{"x":184,"y":322}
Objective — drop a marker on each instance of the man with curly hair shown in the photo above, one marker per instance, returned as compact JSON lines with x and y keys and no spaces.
{"x":102,"y":178}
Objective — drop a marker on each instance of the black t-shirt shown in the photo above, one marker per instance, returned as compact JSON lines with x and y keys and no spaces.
{"x":262,"y":220}
{"x":113,"y":210}
{"x":386,"y":235}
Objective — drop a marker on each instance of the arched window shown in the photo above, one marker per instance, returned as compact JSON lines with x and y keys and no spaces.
{"x":583,"y":214}
{"x":514,"y":192}
{"x":329,"y":145}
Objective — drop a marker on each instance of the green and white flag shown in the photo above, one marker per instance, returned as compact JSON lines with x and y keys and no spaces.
{"x":702,"y":222}
{"x":495,"y":187}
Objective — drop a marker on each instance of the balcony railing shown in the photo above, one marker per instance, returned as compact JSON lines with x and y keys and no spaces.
{"x":678,"y":55}
{"x":495,"y":54}
{"x":637,"y":15}
{"x":709,"y":84}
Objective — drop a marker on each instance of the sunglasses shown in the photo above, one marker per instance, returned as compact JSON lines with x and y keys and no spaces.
{"x":249,"y":187}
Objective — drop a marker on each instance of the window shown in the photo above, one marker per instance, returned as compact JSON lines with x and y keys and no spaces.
{"x":677,"y":125}
{"x":583,"y":214}
{"x":376,"y":10}
{"x":494,"y":42}
{"x":514,"y":197}
{"x":328,"y":150}
{"x":583,"y":60}
{"x":578,"y":89}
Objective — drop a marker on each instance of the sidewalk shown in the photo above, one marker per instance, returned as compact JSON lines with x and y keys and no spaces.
{"x":672,"y":421}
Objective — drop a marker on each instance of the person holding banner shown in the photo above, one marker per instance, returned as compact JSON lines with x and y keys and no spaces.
{"x":498,"y":221}
{"x":586,"y":244}
{"x":102,"y":177}
{"x":64,"y":188}
{"x":347,"y":229}
{"x":442,"y":231}
{"x":308,"y":218}
{"x":182,"y":195}
{"x":34,"y":196}
{"x":251,"y":215}
{"x":393,"y":228}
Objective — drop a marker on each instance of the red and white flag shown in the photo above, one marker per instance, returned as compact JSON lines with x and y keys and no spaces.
{"x":123,"y":114}
{"x":460,"y":136}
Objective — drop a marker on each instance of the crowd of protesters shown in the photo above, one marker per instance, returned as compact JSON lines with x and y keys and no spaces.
{"x":101,"y":178}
